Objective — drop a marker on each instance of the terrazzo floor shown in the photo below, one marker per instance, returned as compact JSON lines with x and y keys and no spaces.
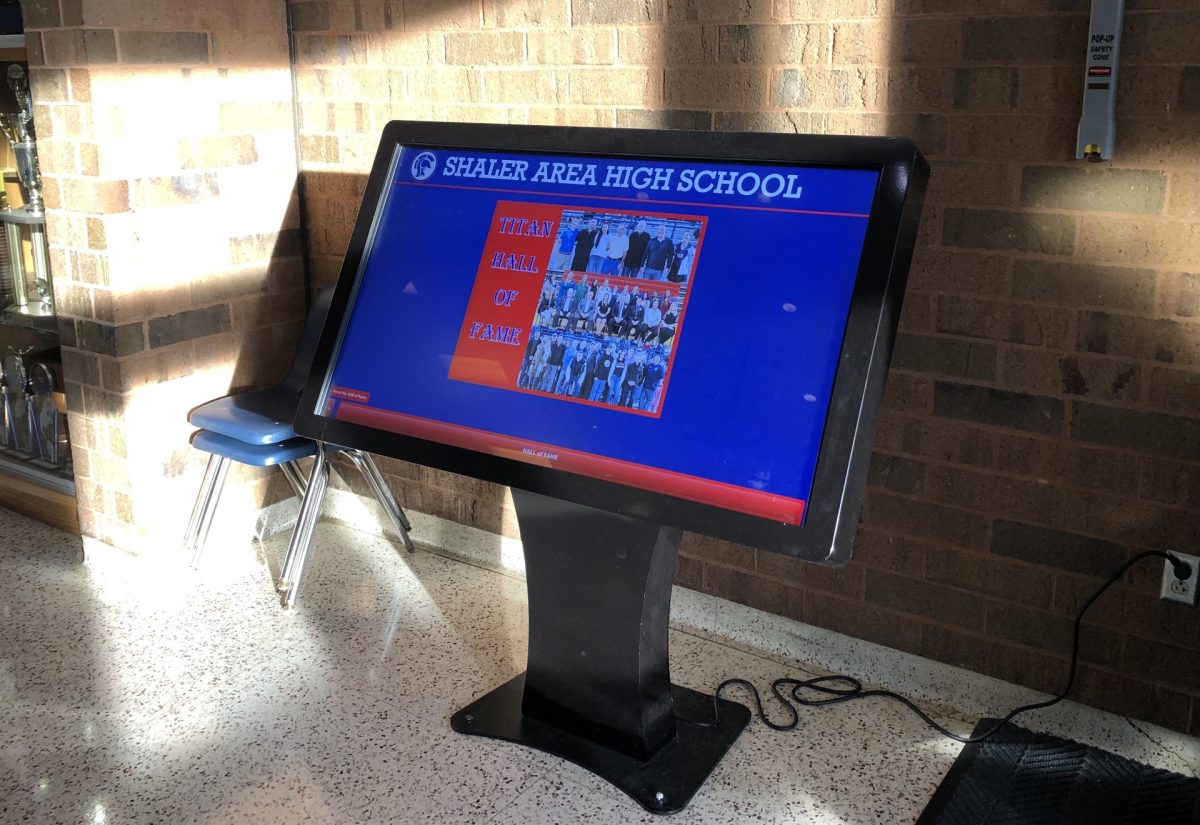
{"x":133,"y":692}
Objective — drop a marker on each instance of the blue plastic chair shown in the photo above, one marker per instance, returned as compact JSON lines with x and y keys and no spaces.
{"x":255,"y":428}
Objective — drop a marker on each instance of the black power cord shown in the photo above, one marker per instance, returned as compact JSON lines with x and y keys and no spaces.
{"x":835,"y":689}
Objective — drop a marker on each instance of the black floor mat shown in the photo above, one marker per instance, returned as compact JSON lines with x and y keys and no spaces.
{"x":1021,"y":778}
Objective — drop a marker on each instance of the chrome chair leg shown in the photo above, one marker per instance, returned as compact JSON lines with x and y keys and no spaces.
{"x":206,"y":506}
{"x":295,"y":477}
{"x":310,"y":511}
{"x":366,"y":465}
{"x":202,"y":496}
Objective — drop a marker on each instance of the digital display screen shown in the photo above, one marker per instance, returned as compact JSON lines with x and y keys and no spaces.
{"x":673,"y":326}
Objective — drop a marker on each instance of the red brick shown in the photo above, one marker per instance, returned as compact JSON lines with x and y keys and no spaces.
{"x":973,"y":184}
{"x":523,"y":86}
{"x":715,"y":87}
{"x":895,"y":554}
{"x":1146,"y":616}
{"x":891,"y":42}
{"x":924,"y":520}
{"x":1179,"y":294}
{"x":1149,"y":432}
{"x":1065,"y":464}
{"x":99,"y":197}
{"x":1175,"y":390}
{"x":1052,"y":633}
{"x":578,"y":47}
{"x":917,"y":313}
{"x":1148,"y":91}
{"x":1033,"y":137}
{"x":435,"y":14}
{"x":1050,"y":38}
{"x":1040,"y":371}
{"x":927,"y":130}
{"x":483,"y":48}
{"x":853,"y":618}
{"x":1158,"y":142}
{"x":1051,"y":234}
{"x":610,"y":12}
{"x":844,"y":581}
{"x":920,"y":89}
{"x":821,"y":10}
{"x":770,"y":44}
{"x":952,"y":441}
{"x":1149,"y":35}
{"x":1184,"y":195}
{"x":986,"y":88}
{"x":1050,"y":89}
{"x":1128,"y":695}
{"x":1081,"y":285}
{"x":946,"y":605}
{"x":708,"y":549}
{"x":747,"y":589}
{"x":906,"y":393}
{"x":1170,"y":482}
{"x":1002,"y":321}
{"x":309,"y":17}
{"x":615,"y":87}
{"x":41,"y":14}
{"x":181,"y":48}
{"x":1004,"y":661}
{"x":1087,"y":188}
{"x":77,"y":47}
{"x":988,"y":576}
{"x":34,"y":50}
{"x":712,"y":11}
{"x":690,"y":573}
{"x":1128,"y":336}
{"x":1140,"y":241}
{"x":1164,"y":663}
{"x":896,"y":474}
{"x":522,"y":14}
{"x":952,"y":357}
{"x":827,"y":89}
{"x":959,"y":272}
{"x":664,"y":119}
{"x":1121,"y":519}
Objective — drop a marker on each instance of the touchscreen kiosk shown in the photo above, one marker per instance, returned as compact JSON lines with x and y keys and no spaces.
{"x":639,"y":332}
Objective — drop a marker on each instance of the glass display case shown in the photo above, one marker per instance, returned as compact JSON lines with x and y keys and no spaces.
{"x":36,"y":474}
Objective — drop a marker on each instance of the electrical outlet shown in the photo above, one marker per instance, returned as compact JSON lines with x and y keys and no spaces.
{"x":1183,"y":591}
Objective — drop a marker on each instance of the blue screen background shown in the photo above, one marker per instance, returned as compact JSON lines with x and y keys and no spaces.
{"x":756,"y":353}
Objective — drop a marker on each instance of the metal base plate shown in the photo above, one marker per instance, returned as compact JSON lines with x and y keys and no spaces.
{"x":663,"y":784}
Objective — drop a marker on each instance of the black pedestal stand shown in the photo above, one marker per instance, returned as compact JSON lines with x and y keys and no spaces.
{"x":597,"y":690}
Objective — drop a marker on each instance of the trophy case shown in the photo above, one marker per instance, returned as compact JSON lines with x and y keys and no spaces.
{"x":36,"y":475}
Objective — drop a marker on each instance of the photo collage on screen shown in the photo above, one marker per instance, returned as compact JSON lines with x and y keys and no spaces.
{"x":611,"y":307}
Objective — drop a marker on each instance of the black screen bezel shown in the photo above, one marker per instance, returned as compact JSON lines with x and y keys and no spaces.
{"x":832,"y":507}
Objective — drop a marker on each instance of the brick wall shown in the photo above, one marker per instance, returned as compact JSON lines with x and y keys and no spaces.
{"x":1040,"y":423}
{"x":167,"y":144}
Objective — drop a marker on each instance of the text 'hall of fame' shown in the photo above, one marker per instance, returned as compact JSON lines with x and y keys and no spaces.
{"x":510,"y":273}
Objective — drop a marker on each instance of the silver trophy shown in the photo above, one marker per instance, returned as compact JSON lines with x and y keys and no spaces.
{"x":17,"y":423}
{"x":29,"y":220}
{"x":43,"y":415}
{"x":16,"y":127}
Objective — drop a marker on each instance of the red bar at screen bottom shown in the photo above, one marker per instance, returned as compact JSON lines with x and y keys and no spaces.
{"x":693,"y":488}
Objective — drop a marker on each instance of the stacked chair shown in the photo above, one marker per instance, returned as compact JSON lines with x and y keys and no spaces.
{"x":255,"y":428}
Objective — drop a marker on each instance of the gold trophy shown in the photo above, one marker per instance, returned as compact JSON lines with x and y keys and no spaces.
{"x":32,"y":215}
{"x":16,"y":127}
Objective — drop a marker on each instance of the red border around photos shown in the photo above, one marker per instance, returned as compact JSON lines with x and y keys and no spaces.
{"x":706,"y":491}
{"x":670,"y":360}
{"x":662,"y":396}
